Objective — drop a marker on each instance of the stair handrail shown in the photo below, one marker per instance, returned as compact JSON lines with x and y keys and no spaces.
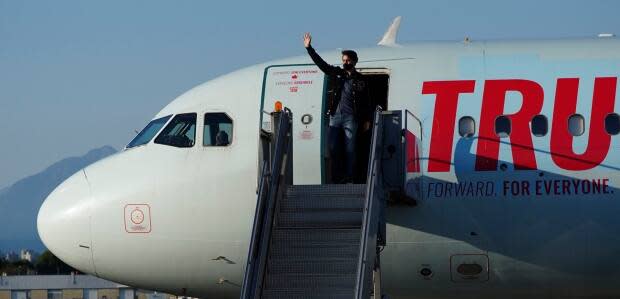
{"x":373,"y":211}
{"x":267,"y":196}
{"x":416,"y":154}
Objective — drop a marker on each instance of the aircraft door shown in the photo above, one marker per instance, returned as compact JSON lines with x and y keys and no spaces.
{"x":413,"y":151}
{"x":301,"y":89}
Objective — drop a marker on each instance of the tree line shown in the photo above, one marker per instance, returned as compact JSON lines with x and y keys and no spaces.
{"x":46,"y":264}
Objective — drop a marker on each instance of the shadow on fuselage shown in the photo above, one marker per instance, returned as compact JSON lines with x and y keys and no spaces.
{"x":522,"y":214}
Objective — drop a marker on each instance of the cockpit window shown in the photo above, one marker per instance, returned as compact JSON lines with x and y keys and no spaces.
{"x":218,"y":129}
{"x":180,"y":132}
{"x":149,"y":131}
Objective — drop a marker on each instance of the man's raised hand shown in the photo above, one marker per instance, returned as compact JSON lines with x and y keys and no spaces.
{"x":307,"y":39}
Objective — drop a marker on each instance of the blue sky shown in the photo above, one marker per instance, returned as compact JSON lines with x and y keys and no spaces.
{"x":75,"y":75}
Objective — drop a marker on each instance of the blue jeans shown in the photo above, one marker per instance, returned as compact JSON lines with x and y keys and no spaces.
{"x":341,"y":135}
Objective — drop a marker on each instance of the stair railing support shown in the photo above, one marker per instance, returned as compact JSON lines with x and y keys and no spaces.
{"x":270,"y":186}
{"x":372,"y":225}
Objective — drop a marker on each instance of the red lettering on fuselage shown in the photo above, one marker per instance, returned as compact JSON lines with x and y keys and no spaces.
{"x":440,"y":151}
{"x":603,"y":101}
{"x":413,"y":153}
{"x":493,"y":101}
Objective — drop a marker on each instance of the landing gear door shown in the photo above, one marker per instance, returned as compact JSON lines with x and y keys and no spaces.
{"x":413,"y":152}
{"x":300,"y":88}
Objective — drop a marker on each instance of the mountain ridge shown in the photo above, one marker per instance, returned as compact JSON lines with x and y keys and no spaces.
{"x":20,"y":202}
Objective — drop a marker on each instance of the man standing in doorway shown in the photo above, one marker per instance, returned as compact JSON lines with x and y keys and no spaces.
{"x":348,"y":106}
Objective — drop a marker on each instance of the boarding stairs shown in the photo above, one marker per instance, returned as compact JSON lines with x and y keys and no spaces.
{"x":314,"y":241}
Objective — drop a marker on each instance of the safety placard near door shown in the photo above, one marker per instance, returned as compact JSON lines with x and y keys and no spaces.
{"x":299,"y":88}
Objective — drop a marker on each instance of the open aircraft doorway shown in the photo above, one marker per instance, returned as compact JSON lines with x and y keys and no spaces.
{"x":377,"y":80}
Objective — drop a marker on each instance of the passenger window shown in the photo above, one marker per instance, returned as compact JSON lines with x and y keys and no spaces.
{"x":218,"y":129}
{"x":149,"y":132}
{"x":502,"y":126}
{"x":612,"y":124}
{"x":540,"y":126}
{"x":576,"y":124}
{"x":180,"y":132}
{"x":467,"y":126}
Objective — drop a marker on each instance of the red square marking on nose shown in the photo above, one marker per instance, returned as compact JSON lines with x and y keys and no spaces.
{"x":138,"y":218}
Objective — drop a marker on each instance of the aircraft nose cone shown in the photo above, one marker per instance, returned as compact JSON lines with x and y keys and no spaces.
{"x":64,"y":222}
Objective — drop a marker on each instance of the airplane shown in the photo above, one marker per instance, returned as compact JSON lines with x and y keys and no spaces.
{"x":517,"y":172}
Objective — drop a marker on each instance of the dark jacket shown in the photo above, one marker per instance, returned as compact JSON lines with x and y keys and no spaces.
{"x":360,"y":94}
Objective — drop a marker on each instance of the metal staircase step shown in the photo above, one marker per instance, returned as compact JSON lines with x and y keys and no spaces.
{"x":308,"y":294}
{"x":344,"y":190}
{"x":297,"y":250}
{"x":317,"y":235}
{"x":312,"y":266}
{"x":320,"y":219}
{"x":310,"y":282}
{"x":321,"y":203}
